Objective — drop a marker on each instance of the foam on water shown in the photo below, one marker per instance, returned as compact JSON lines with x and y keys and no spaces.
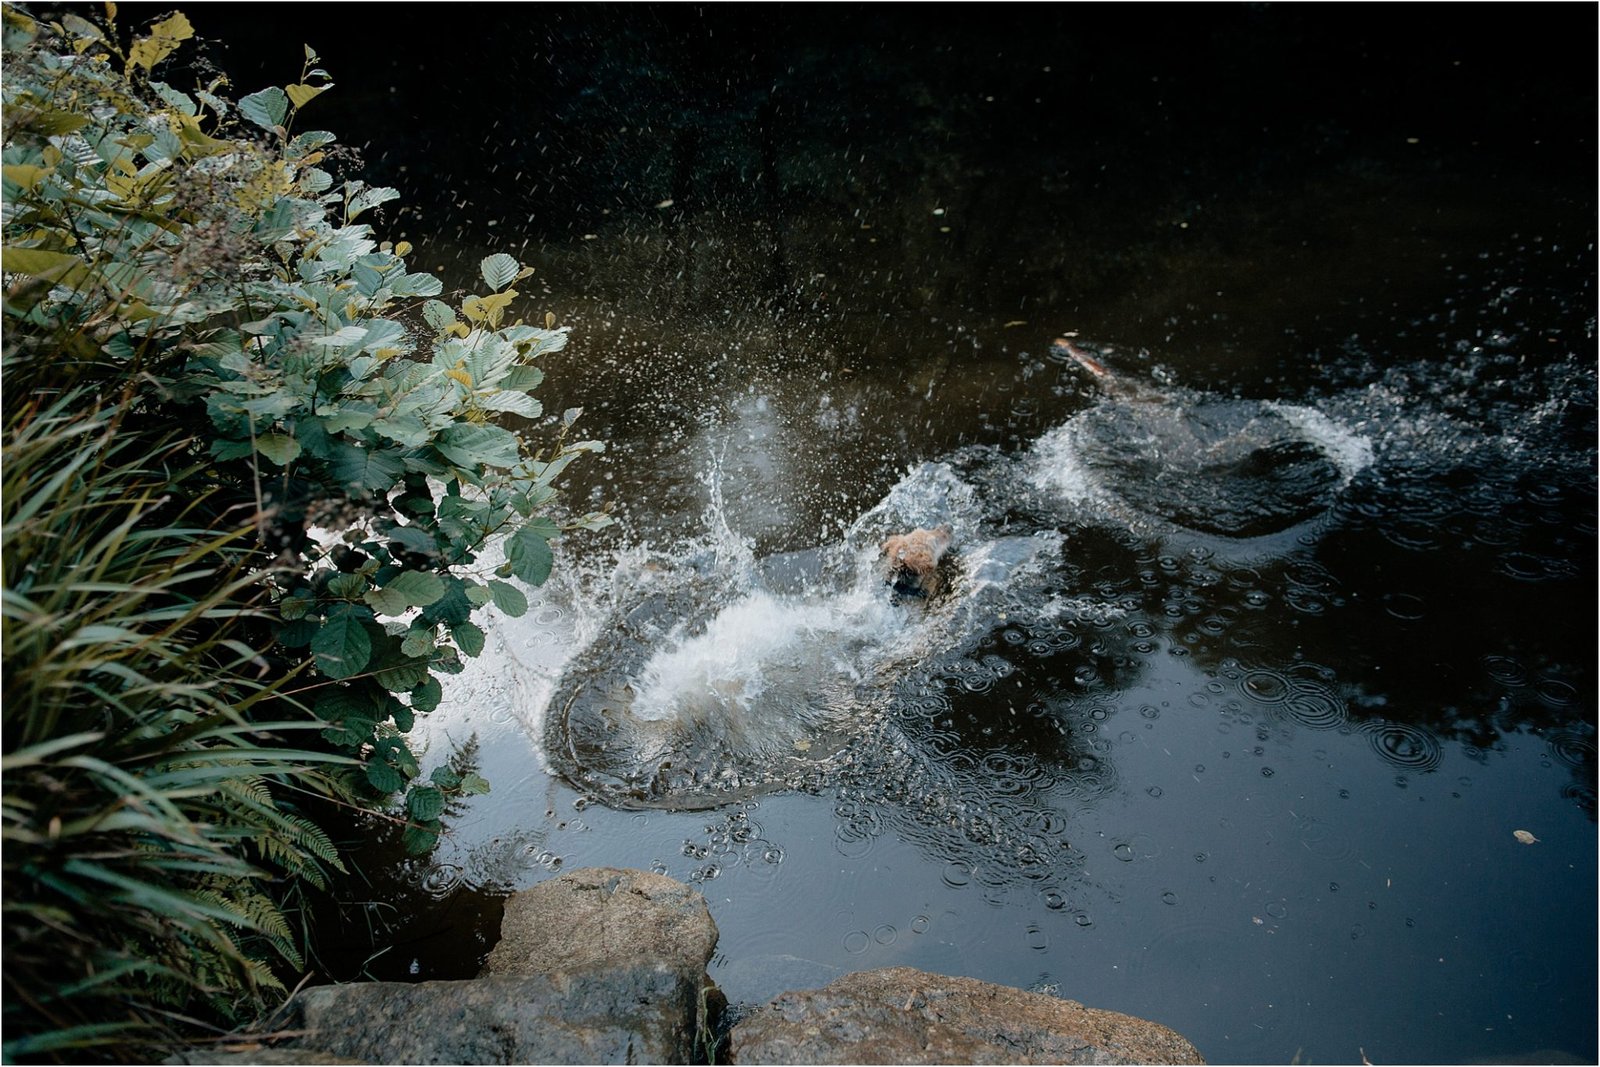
{"x":762,"y":642}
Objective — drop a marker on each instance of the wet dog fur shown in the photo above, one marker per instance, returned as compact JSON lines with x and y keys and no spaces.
{"x":912,"y":560}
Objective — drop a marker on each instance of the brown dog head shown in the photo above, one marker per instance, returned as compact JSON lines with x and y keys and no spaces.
{"x":913,"y":560}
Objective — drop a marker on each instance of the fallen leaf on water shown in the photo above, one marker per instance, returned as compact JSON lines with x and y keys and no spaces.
{"x":803,"y":745}
{"x":1523,"y":836}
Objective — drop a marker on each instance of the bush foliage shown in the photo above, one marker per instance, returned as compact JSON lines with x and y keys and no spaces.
{"x":210,"y":357}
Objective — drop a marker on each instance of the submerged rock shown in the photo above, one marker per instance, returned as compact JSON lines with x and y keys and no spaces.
{"x":903,"y":1015}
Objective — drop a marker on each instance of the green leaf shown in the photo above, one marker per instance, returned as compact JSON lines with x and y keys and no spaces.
{"x":278,"y":447}
{"x":296,"y":605}
{"x":425,"y":803}
{"x":266,"y":109}
{"x":512,"y":402}
{"x":437,"y":313}
{"x":528,"y":552}
{"x":365,"y":199}
{"x":342,"y":647}
{"x":445,"y":778}
{"x":419,"y":284}
{"x":418,"y":840}
{"x":471,"y":446}
{"x":339,"y":702}
{"x":298,"y":634}
{"x":472,"y":784}
{"x":384,"y":778}
{"x":417,"y":644}
{"x":452,"y":608}
{"x":404,"y":717}
{"x":499,"y":270}
{"x":508,"y":598}
{"x":347,"y":586}
{"x":427,"y":696}
{"x":408,"y":589}
{"x":402,"y":675}
{"x":363,"y":470}
{"x":469,"y":637}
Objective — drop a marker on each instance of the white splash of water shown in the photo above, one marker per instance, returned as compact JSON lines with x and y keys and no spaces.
{"x":1056,"y":465}
{"x":1349,"y":451}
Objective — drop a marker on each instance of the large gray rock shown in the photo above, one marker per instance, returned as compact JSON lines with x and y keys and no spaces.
{"x":645,"y":1012}
{"x":604,"y":915}
{"x":903,"y":1015}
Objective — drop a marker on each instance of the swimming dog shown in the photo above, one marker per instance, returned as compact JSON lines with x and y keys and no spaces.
{"x":913,"y":560}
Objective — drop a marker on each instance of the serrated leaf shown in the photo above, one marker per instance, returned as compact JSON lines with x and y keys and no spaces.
{"x":508,"y":598}
{"x":470,"y":446}
{"x":469,"y":638}
{"x":367,"y":199}
{"x":445,"y":778}
{"x":487,"y":310}
{"x":427,"y":696}
{"x":404,"y":717}
{"x":512,"y":403}
{"x":342,"y":647}
{"x":408,"y":589}
{"x":415,"y":538}
{"x":451,"y":608}
{"x":419,"y":284}
{"x":474,"y":784}
{"x":267,"y":108}
{"x":347,"y":586}
{"x":439,"y":315}
{"x":384,"y":778}
{"x":528,"y":552}
{"x":417,"y":643}
{"x":298,"y":634}
{"x":402,"y":676}
{"x":366,"y":470}
{"x":295,"y":605}
{"x":499,"y":270}
{"x":425,"y":803}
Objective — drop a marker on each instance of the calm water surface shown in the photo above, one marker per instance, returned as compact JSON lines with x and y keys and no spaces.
{"x":1238,"y":693}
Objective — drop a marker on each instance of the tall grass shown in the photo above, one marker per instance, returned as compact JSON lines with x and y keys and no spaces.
{"x":151,"y":790}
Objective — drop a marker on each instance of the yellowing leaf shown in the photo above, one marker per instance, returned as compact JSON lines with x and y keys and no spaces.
{"x":487,"y":309}
{"x":403,"y":248}
{"x":26,"y":175}
{"x":165,"y":36}
{"x":459,"y":375}
{"x":43,"y":263}
{"x":301,"y":95}
{"x":1524,"y":836}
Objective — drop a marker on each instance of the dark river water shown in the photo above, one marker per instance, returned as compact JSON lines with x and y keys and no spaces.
{"x":1254,"y":668}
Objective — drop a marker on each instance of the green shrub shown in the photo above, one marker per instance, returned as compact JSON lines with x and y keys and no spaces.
{"x":206,"y":356}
